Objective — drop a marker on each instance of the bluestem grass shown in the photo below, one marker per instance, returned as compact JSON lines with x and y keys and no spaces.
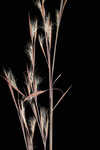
{"x":41,"y":116}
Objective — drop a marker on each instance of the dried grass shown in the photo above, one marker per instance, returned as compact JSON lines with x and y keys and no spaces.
{"x":42,"y":117}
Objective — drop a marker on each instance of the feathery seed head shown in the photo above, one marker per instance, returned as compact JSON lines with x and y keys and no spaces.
{"x":58,"y":17}
{"x":32,"y":123}
{"x":48,"y":28}
{"x":31,"y":76}
{"x":41,"y":39}
{"x":10,"y":78}
{"x":29,"y":52}
{"x":44,"y":122}
{"x":38,"y":80}
{"x":29,"y":79}
{"x":33,"y":26}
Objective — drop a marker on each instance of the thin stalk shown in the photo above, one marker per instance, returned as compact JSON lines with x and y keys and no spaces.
{"x":44,"y":147}
{"x":19,"y":115}
{"x":55,"y":49}
{"x":37,"y":110}
{"x":33,"y":60}
{"x":62,"y":6}
{"x":50,"y":94}
{"x":62,"y":97}
{"x":22,"y":126}
{"x":51,"y":105}
{"x":23,"y":131}
{"x":51,"y":116}
{"x":35,"y":89}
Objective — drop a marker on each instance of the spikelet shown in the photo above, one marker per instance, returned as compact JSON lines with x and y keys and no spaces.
{"x":58,"y":18}
{"x":10,"y":78}
{"x":33,"y":26}
{"x":27,"y":84}
{"x":31,"y":77}
{"x":48,"y":28}
{"x":29,"y":80}
{"x":42,"y":48}
{"x":44,"y":123}
{"x":38,"y":80}
{"x":41,"y":40}
{"x":32,"y":124}
{"x":29,"y":52}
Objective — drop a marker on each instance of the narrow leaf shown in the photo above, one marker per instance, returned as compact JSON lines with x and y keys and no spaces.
{"x":34,"y":94}
{"x":61,"y":98}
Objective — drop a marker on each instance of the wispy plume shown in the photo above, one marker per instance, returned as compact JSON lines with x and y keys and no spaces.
{"x":44,"y":120}
{"x":48,"y":29}
{"x":29,"y":51}
{"x":33,"y":27}
{"x":58,"y":17}
{"x":32,"y":124}
{"x":11,"y":78}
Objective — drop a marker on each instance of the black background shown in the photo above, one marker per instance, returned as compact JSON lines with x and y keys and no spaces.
{"x":13,"y":40}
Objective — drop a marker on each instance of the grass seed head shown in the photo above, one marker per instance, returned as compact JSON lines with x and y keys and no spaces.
{"x":58,"y":17}
{"x":29,"y":52}
{"x":10,"y":78}
{"x":32,"y":123}
{"x":33,"y":27}
{"x":44,"y":122}
{"x":48,"y":28}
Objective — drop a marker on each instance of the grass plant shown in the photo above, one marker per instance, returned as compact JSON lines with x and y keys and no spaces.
{"x":40,"y":116}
